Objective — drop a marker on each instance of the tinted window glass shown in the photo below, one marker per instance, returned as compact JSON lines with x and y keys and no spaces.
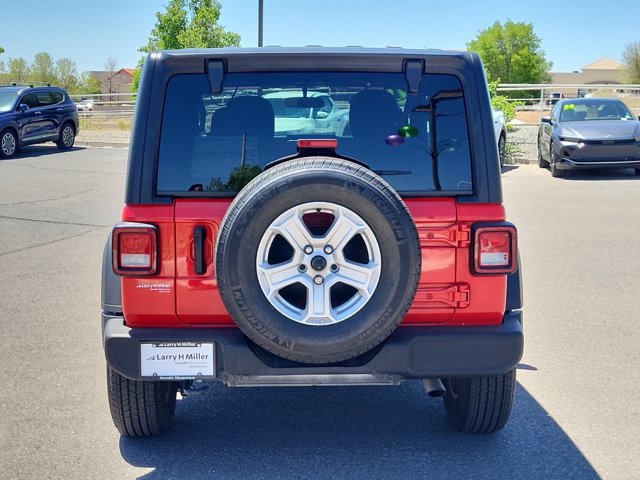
{"x":7,"y":100}
{"x":57,"y":97}
{"x":216,"y":143}
{"x":45,"y":99}
{"x":30,"y":99}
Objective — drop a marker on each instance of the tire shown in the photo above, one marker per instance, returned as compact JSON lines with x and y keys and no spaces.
{"x":542,"y":163}
{"x":637,"y":171}
{"x":8,"y":143}
{"x":502,"y":149}
{"x":552,"y":166}
{"x":140,"y":408}
{"x":480,"y":404}
{"x":67,"y":136}
{"x":302,"y":320}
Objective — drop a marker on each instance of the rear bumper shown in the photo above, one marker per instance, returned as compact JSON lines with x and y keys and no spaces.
{"x":410,"y":352}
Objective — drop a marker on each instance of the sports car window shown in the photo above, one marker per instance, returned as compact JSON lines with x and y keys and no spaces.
{"x":216,"y":143}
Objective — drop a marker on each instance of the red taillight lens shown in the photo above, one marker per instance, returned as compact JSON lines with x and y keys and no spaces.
{"x":134,"y":250}
{"x":495,"y":249}
{"x":318,"y":143}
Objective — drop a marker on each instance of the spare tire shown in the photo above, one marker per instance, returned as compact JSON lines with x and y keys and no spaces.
{"x":318,"y":260}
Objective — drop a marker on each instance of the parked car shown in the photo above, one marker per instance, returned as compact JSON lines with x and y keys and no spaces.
{"x":554,"y":97}
{"x":85,"y":105}
{"x":589,"y":133}
{"x":30,"y":115}
{"x":312,"y":112}
{"x":254,"y":255}
{"x":500,"y":130}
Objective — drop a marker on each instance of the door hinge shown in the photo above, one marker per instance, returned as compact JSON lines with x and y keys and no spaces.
{"x":456,"y":296}
{"x":454,"y":235}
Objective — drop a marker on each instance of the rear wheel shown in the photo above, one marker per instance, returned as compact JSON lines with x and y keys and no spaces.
{"x":140,"y":408}
{"x":480,"y":404}
{"x":67,"y":137}
{"x":8,"y":144}
{"x":502,"y":149}
{"x":637,"y":171}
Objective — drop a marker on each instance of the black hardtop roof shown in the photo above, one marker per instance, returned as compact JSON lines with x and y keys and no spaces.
{"x":307,"y":58}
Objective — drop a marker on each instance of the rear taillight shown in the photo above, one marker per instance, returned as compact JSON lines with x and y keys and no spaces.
{"x":135,"y":247}
{"x":495,"y":249}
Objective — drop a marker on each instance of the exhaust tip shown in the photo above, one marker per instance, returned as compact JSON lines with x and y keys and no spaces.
{"x":434,"y":387}
{"x":436,"y":393}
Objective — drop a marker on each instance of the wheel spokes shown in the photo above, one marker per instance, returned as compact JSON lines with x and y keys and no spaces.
{"x":294,"y":231}
{"x":330,"y":274}
{"x":277,"y":277}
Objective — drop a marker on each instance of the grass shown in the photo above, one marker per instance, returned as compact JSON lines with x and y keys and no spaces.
{"x":105,"y":124}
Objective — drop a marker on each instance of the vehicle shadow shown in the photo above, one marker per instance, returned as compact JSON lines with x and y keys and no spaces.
{"x":46,"y":149}
{"x":604,"y":174}
{"x":350,"y":432}
{"x":507,"y":167}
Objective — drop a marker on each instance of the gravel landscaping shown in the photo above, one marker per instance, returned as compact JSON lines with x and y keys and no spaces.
{"x":522,"y":144}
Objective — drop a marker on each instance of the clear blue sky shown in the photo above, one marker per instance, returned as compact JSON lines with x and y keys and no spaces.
{"x":573,"y":33}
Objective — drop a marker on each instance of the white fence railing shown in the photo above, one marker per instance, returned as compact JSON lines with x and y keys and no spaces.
{"x":122,"y":105}
{"x":107,"y":105}
{"x":542,"y":102}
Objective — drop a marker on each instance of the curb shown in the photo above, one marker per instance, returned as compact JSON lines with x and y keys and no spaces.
{"x":102,"y":144}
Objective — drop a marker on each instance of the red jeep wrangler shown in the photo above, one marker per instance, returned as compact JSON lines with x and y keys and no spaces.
{"x":312,"y":216}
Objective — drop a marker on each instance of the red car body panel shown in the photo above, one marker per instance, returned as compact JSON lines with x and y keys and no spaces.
{"x":448,"y":292}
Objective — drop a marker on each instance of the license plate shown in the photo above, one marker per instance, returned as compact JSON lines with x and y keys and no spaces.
{"x":177,"y":360}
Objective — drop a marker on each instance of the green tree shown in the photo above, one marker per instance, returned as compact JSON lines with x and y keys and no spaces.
{"x":88,"y":83}
{"x":631,"y":59}
{"x":19,"y":70}
{"x":1,"y":50}
{"x":43,"y":69}
{"x":67,"y":73}
{"x":188,"y":24}
{"x":512,"y":53}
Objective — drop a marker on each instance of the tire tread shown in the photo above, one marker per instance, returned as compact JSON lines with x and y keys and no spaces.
{"x":140,"y":408}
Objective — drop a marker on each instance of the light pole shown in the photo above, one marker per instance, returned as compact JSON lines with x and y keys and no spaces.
{"x":260,"y":16}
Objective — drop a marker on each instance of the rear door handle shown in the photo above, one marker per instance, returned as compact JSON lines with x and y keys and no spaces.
{"x":37,"y":113}
{"x":199,"y":237}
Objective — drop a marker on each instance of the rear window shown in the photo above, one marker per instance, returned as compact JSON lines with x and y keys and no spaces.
{"x":215,"y":144}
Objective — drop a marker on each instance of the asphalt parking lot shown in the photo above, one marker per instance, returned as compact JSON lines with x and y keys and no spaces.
{"x":577,"y":409}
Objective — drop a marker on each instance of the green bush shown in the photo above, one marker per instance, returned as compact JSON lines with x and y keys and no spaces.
{"x":500,"y":102}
